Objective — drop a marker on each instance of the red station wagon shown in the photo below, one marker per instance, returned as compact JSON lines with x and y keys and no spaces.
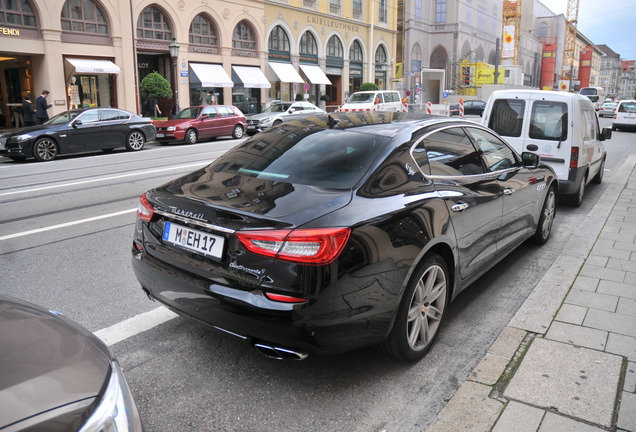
{"x":200,"y":122}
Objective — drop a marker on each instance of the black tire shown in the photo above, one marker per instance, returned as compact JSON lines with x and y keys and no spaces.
{"x":45,"y":149}
{"x":135,"y":141}
{"x":577,"y":198}
{"x":614,"y":128}
{"x":544,"y":227}
{"x":191,"y":136}
{"x":238,"y":132}
{"x":277,"y":122}
{"x":598,"y":178}
{"x":421,"y":311}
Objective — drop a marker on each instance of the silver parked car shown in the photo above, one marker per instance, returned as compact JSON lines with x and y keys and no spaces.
{"x":57,"y":376}
{"x":279,"y":112}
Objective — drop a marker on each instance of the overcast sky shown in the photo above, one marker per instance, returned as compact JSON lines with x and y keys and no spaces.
{"x":612,"y":23}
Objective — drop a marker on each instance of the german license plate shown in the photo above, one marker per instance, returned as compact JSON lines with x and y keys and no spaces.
{"x":194,"y":240}
{"x":160,"y":135}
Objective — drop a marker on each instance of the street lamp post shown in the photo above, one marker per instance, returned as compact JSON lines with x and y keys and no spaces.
{"x":174,"y":53}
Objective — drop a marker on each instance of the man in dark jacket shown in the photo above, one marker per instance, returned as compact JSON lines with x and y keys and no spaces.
{"x":41,"y":106}
{"x":28,"y":112}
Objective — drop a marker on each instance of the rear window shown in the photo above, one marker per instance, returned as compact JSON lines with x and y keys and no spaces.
{"x":328,"y":158}
{"x":507,"y":117}
{"x":361,"y":98}
{"x":549,"y":121}
{"x":627,"y":107}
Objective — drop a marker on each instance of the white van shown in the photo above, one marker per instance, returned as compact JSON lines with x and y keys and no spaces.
{"x":377,"y":100}
{"x":561,"y":127}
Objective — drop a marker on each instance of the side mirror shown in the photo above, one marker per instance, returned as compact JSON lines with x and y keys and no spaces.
{"x":530,"y":160}
{"x":291,"y":110}
{"x":606,"y":134}
{"x":77,"y":122}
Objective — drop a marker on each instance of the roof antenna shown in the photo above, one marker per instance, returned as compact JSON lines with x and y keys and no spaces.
{"x":332,"y":122}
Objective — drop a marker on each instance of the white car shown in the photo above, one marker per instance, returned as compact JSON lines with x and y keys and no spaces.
{"x":625,"y":115}
{"x":607,"y":109}
{"x":279,"y":112}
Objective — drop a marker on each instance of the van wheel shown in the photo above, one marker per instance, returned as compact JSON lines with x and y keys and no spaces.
{"x":577,"y":198}
{"x":598,"y":178}
{"x":544,"y":227}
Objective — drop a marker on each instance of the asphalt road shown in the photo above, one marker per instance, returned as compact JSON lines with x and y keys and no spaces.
{"x":65,"y":240}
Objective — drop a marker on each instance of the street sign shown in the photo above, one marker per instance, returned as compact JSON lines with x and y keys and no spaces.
{"x":306,"y":87}
{"x":445,"y":94}
{"x":407,"y":93}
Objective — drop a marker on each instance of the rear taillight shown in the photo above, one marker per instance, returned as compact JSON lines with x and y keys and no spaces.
{"x":307,"y":246}
{"x":284,"y":298}
{"x":574,"y":157}
{"x":144,"y":210}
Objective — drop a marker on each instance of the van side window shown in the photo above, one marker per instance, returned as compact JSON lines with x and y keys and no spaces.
{"x":591,"y":125}
{"x":507,"y":117}
{"x":549,"y":121}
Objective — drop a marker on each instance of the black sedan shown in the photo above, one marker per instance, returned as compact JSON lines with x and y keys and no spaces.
{"x":334,"y":232}
{"x":58,"y":376}
{"x":471,"y":107}
{"x":78,"y":131}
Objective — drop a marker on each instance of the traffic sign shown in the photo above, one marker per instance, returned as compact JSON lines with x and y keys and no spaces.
{"x":445,"y":94}
{"x":407,"y":93}
{"x":306,"y":87}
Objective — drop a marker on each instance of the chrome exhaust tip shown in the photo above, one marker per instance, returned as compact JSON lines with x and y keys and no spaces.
{"x":279,"y":353}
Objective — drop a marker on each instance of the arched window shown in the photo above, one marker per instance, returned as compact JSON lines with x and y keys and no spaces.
{"x":17,"y":13}
{"x":243,"y":37}
{"x":278,"y":40}
{"x":543,"y":30}
{"x":380,"y":56}
{"x":439,"y":57}
{"x":334,"y":47}
{"x":355,"y":52}
{"x":152,"y":24}
{"x":83,"y":16}
{"x":202,"y":32}
{"x":308,"y":44}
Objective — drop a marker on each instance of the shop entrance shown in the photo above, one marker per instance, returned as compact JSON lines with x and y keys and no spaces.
{"x":15,"y":73}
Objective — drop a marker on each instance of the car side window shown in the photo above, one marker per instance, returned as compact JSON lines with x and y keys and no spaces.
{"x":506,"y":117}
{"x":210,"y":111}
{"x":449,"y":153}
{"x":108,"y":115}
{"x":225,"y":111}
{"x":89,"y":117}
{"x":123,"y":115}
{"x":495,"y":153}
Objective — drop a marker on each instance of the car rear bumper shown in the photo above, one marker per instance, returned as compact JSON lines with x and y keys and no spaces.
{"x":340,"y":319}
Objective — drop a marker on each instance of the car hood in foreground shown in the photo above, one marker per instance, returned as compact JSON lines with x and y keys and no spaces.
{"x":211,"y":196}
{"x":46,"y":362}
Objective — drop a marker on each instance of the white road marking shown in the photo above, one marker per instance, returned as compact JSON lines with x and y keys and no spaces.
{"x":67,"y":224}
{"x":117,"y":177}
{"x":135,"y":325}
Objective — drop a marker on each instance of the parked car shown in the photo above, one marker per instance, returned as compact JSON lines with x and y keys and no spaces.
{"x":471,"y":107}
{"x":376,"y":100}
{"x":625,"y":115}
{"x":57,"y":376}
{"x":334,"y":232}
{"x":197,"y":123}
{"x":607,"y":109}
{"x":279,"y":112}
{"x":560,"y":127}
{"x":78,"y":131}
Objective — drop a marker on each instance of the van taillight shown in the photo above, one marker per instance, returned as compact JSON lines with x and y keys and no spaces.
{"x":574,"y":157}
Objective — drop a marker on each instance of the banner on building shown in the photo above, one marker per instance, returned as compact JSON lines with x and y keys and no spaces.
{"x":508,"y":46}
{"x":485,"y":74}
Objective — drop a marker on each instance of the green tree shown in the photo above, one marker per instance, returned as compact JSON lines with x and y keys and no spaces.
{"x":154,"y":86}
{"x":367,"y":86}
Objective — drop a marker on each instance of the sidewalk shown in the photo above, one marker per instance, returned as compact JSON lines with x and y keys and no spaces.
{"x":567,"y":360}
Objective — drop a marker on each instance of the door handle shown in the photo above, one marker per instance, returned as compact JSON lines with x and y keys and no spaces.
{"x":509,"y":191}
{"x":459,"y":207}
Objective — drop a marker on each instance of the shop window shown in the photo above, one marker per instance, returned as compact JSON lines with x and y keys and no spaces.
{"x":83,"y":16}
{"x":152,"y":24}
{"x":243,"y":37}
{"x":380,"y":56}
{"x":203,"y":31}
{"x":17,"y":13}
{"x":334,"y":47}
{"x":278,"y":40}
{"x":308,"y":44}
{"x":355,"y":52}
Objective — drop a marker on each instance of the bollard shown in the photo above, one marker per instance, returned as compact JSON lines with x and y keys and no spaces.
{"x":429,"y":108}
{"x":461,"y":108}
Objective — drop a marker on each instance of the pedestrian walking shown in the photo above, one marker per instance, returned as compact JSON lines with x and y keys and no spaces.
{"x":28,"y":112}
{"x":41,"y":106}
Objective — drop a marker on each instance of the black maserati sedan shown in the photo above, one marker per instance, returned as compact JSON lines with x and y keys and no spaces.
{"x":339,"y":231}
{"x":57,"y":376}
{"x":78,"y":131}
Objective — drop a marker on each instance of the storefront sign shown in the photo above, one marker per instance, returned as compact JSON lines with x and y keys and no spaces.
{"x":58,"y":102}
{"x":355,"y":72}
{"x":238,"y":53}
{"x":326,"y":22}
{"x":9,"y":31}
{"x":203,"y":49}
